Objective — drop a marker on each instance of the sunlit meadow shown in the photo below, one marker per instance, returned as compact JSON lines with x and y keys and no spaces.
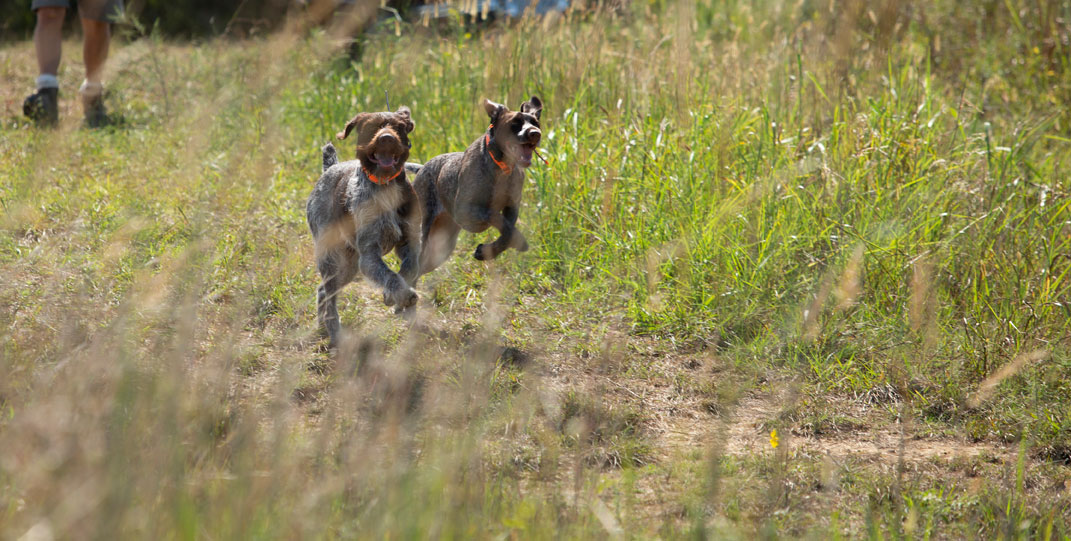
{"x":800,"y":269}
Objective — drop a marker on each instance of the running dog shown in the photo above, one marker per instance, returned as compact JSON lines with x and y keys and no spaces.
{"x":362,"y":209}
{"x":480,"y":187}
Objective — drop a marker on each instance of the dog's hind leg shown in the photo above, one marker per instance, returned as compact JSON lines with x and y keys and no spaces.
{"x":439,"y":242}
{"x":439,"y":232}
{"x":326,"y":298}
{"x":336,"y":261}
{"x":409,"y":249}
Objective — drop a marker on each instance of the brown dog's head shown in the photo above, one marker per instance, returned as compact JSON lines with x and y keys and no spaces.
{"x":382,"y":140}
{"x":516,"y":132}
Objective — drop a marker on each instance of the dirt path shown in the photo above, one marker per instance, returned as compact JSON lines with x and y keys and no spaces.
{"x":749,"y":432}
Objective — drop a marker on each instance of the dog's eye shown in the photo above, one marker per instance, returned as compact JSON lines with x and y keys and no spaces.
{"x":516,"y":125}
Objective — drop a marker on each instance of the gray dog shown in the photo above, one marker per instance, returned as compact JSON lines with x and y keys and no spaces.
{"x":362,"y":209}
{"x":480,"y":187}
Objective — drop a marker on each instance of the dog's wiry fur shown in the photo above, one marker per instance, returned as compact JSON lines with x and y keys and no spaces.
{"x":362,"y":209}
{"x":469,"y":190}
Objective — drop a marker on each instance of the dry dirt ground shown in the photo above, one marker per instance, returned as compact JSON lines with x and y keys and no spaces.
{"x":698,"y":409}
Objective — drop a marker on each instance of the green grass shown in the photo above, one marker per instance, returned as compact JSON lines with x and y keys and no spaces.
{"x":839,"y":221}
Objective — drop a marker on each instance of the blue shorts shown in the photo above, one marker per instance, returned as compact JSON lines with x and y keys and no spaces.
{"x":98,"y":10}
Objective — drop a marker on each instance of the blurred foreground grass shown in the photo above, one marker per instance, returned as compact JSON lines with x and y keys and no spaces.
{"x":846,"y":221}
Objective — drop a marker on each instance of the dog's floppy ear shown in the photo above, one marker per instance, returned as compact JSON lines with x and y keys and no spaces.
{"x":494,"y":110}
{"x":533,"y":106}
{"x":404,"y":112}
{"x":355,"y":122}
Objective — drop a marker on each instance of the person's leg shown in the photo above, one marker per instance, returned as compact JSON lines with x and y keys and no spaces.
{"x":43,"y":105}
{"x":96,"y":35}
{"x":96,"y":31}
{"x":95,"y":47}
{"x":48,"y":38}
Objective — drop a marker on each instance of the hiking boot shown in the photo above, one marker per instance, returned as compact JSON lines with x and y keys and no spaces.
{"x":42,"y":107}
{"x":96,"y":115}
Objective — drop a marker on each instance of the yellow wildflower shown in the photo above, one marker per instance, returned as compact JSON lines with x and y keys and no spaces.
{"x":774,"y":440}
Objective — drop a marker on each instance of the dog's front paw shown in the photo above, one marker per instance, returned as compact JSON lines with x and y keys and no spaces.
{"x":409,"y":299}
{"x":483,"y":252}
{"x":400,"y":298}
{"x":521,"y":245}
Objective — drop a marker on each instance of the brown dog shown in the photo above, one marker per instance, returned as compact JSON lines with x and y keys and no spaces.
{"x":362,"y":209}
{"x":480,"y":187}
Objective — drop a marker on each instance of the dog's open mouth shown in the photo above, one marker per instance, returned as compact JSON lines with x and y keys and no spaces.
{"x":526,"y":154}
{"x":385,"y":160}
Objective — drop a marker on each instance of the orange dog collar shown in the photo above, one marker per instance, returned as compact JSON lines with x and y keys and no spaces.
{"x":487,"y":142}
{"x":377,"y":180}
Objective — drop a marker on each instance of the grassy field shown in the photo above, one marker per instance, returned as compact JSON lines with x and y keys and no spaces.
{"x":798,"y":269}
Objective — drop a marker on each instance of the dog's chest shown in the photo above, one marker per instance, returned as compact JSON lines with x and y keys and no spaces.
{"x":375,"y":209}
{"x":506,"y":190}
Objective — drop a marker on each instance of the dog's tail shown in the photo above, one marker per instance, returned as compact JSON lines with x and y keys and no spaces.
{"x":330,"y":156}
{"x":413,"y":168}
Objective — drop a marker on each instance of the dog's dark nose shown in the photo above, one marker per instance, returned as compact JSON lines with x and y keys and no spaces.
{"x":387,"y":137}
{"x":534,"y":136}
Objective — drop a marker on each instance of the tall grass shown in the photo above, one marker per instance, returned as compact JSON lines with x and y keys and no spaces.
{"x":859,"y":201}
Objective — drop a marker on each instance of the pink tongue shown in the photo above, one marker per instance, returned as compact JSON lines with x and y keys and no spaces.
{"x":527,"y":153}
{"x":384,"y":161}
